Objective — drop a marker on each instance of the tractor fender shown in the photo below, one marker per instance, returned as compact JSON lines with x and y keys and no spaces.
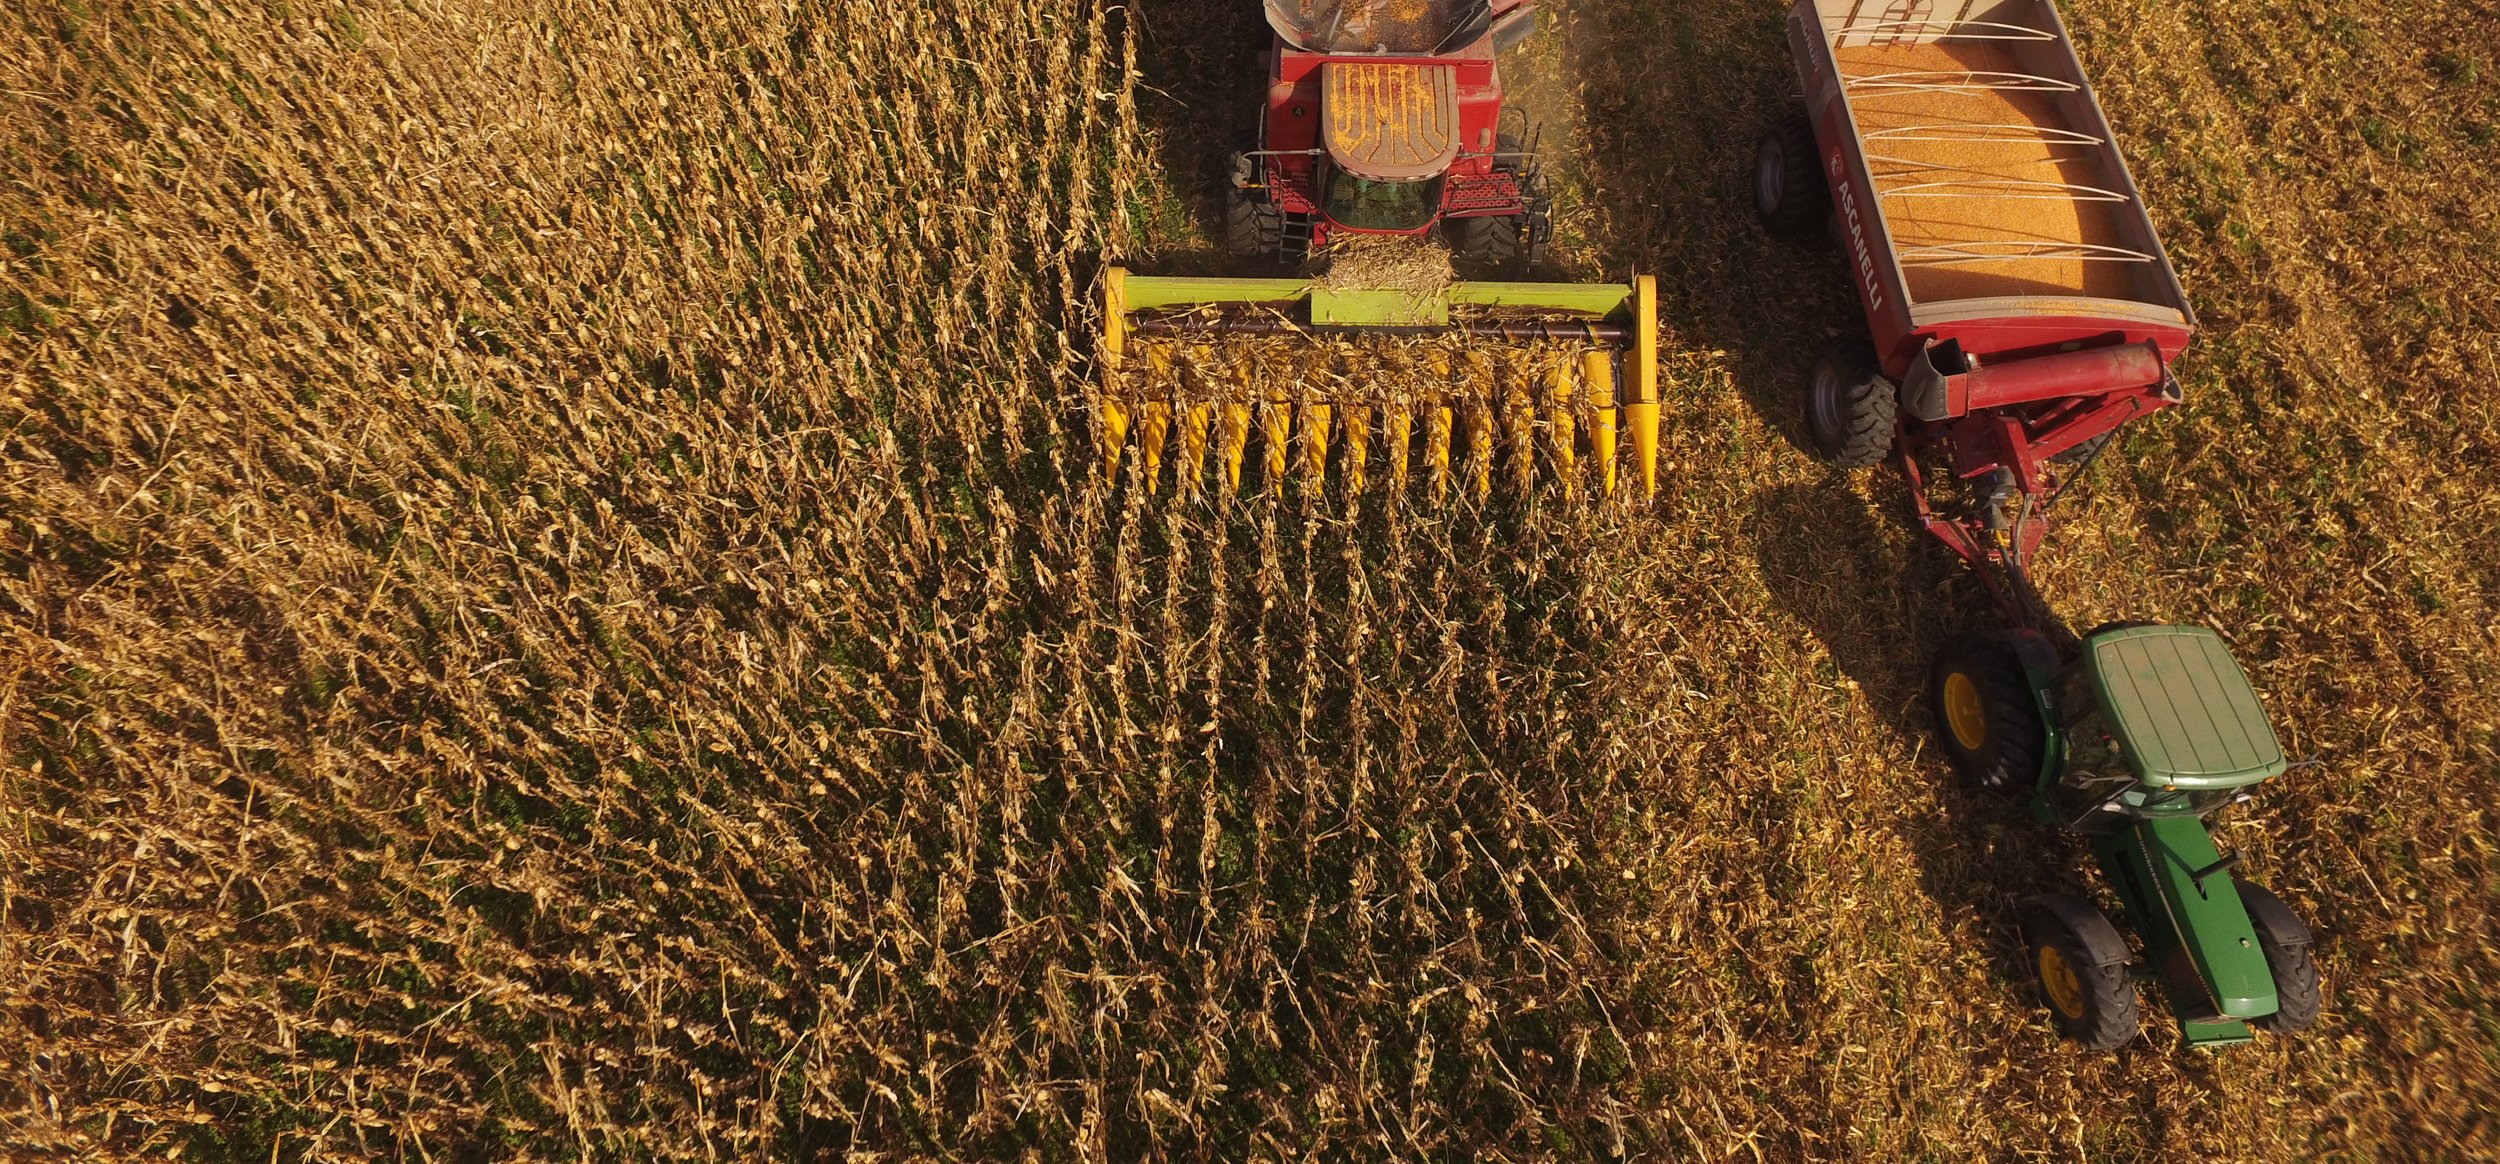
{"x":2041,"y":666}
{"x":2100,"y":938}
{"x":2274,"y":917}
{"x":2039,"y":657}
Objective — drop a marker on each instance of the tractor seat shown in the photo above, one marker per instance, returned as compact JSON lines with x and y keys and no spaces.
{"x":2181,"y":708}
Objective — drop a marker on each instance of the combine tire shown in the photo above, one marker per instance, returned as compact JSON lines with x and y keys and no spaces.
{"x":1511,"y":246}
{"x":1789,"y":194}
{"x":2286,"y":944}
{"x":2091,"y":998}
{"x":1985,"y":714}
{"x":1488,"y":246}
{"x":1253,"y":226}
{"x":1850,"y":406}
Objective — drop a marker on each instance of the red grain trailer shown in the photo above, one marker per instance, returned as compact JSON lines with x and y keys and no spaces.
{"x":2019,"y":306}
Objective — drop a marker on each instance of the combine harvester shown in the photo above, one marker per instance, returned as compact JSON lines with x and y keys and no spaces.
{"x":1382,"y":122}
{"x":2021,"y":310}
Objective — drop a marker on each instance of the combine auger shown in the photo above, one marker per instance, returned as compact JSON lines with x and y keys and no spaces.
{"x":1383,"y":122}
{"x":1475,"y":371}
{"x":2021,"y":310}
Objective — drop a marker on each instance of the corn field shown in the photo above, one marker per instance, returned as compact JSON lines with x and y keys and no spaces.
{"x":557,"y":602}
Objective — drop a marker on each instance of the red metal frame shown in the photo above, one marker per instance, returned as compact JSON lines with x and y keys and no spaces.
{"x":2022,"y":439}
{"x":1295,"y":160}
{"x":2043,"y":384}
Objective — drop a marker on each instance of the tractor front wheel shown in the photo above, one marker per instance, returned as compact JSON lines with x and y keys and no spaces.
{"x":1986,"y":715}
{"x":2092,"y":1000}
{"x":2285,"y":941}
{"x":1850,"y":406}
{"x":1789,"y":194}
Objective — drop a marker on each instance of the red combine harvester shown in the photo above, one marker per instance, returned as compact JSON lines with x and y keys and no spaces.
{"x":2019,"y":305}
{"x":1385,"y":117}
{"x":1382,"y":118}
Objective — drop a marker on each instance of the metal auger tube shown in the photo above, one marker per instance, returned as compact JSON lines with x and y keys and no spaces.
{"x":1518,"y":331}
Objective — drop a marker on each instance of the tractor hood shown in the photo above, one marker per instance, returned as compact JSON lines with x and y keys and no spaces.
{"x":1390,"y":123}
{"x":1402,"y":27}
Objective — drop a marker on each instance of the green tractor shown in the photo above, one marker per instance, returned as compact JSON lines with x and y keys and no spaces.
{"x":2134,"y":744}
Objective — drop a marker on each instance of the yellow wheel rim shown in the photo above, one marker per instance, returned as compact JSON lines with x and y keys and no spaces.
{"x":1964,"y":714}
{"x":2057,"y":977}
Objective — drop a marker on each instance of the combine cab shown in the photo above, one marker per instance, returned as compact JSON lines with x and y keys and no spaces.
{"x":1380,"y":170}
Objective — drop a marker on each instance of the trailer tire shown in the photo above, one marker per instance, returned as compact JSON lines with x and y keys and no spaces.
{"x":1789,"y":194}
{"x":2285,"y":941}
{"x":1850,"y":406}
{"x":2089,"y":995}
{"x":1985,"y":714}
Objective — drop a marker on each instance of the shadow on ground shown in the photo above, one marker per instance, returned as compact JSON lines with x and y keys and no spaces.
{"x":1675,"y":95}
{"x":1200,"y":88}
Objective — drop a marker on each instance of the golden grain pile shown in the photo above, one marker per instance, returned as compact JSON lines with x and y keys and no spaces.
{"x":554,"y":605}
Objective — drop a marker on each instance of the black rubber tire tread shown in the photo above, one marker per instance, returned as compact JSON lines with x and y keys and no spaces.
{"x":1502,"y":247}
{"x":1805,"y":202}
{"x":2298,"y":994}
{"x":1866,"y":407}
{"x":1253,"y":227}
{"x":2009,"y":761}
{"x":1485,"y":246}
{"x":2111,"y":1015}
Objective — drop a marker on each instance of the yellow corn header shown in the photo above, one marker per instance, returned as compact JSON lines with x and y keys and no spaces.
{"x":1457,"y":386}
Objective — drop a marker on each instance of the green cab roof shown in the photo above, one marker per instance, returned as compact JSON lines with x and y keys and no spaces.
{"x":2182,"y":708}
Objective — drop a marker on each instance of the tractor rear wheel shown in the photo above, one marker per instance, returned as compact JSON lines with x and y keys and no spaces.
{"x":2093,"y":1003}
{"x":2285,"y":942}
{"x":1850,"y":406}
{"x":1789,"y":194}
{"x":1985,"y":714}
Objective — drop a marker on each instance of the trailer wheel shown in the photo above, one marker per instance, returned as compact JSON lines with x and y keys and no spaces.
{"x":2092,"y":1001}
{"x":1985,"y":714}
{"x":1850,"y":406}
{"x":1789,"y":194}
{"x":2285,"y":942}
